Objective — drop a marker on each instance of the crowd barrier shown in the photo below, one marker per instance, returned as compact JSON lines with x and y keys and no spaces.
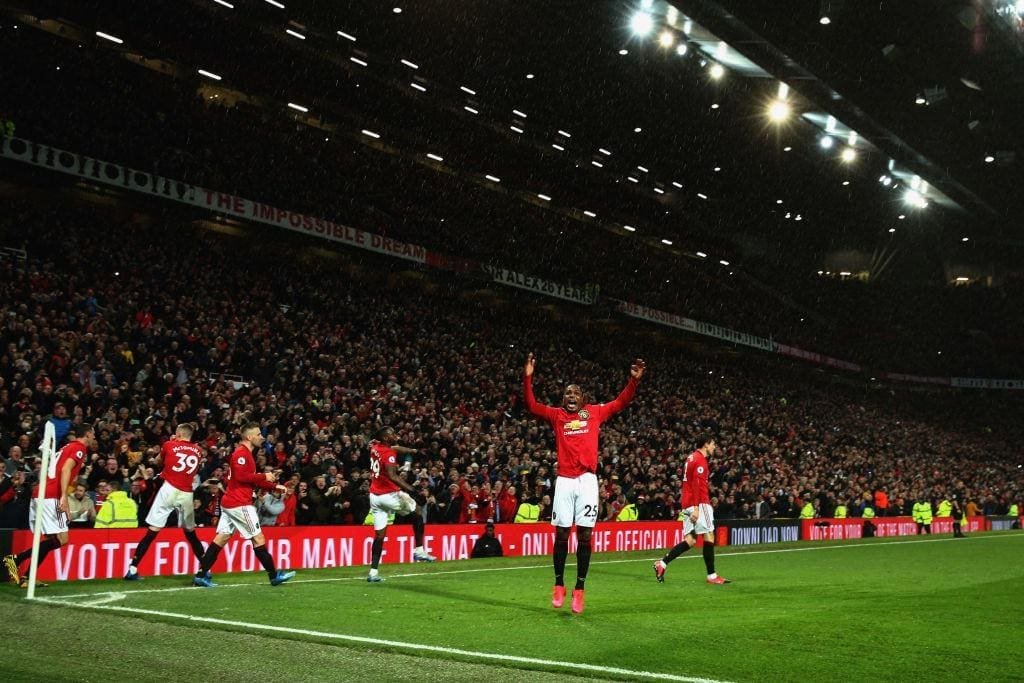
{"x":106,"y":553}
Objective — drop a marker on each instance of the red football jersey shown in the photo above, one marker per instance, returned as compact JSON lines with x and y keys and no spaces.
{"x":74,"y":451}
{"x":242,"y":478}
{"x":695,"y":480}
{"x":382,"y":455}
{"x":576,"y":434}
{"x":181,"y":460}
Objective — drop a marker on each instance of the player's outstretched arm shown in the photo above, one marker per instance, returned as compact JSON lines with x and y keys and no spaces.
{"x":535,"y":408}
{"x":636,"y":371}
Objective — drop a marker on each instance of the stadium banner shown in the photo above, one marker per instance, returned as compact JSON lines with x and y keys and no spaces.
{"x":106,"y":553}
{"x":814,"y":357}
{"x":917,"y":379}
{"x":690,"y":325}
{"x":757,"y":531}
{"x":504,"y":276}
{"x":982,"y":383}
{"x":147,"y":183}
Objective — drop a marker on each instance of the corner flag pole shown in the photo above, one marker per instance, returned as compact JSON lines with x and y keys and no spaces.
{"x":49,"y":468}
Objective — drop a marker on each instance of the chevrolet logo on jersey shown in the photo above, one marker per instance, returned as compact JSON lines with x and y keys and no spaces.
{"x":575,"y":427}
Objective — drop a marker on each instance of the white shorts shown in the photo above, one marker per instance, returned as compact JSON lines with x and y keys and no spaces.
{"x":397,"y":502}
{"x":705,"y":523}
{"x":244,"y":520}
{"x":53,"y":521}
{"x":168,"y":499}
{"x":575,"y":501}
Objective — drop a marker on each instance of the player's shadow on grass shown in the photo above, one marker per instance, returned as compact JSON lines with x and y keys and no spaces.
{"x":489,"y":601}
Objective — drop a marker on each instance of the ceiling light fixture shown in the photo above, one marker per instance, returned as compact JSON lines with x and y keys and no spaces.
{"x":347,"y":36}
{"x":642,"y":23}
{"x":778,"y":111}
{"x":370,"y":133}
{"x":107,"y":36}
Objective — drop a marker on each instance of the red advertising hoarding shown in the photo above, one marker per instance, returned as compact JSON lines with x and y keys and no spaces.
{"x":106,"y":553}
{"x":853,"y":527}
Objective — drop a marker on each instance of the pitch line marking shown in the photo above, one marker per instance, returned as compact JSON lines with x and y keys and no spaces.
{"x":546,"y":565}
{"x":574,"y":666}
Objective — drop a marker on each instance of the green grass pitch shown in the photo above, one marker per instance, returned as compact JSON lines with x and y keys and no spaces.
{"x":934,"y":609}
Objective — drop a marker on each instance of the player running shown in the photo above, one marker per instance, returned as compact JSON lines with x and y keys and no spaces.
{"x":698,"y":515}
{"x":62,"y":472}
{"x":181,"y":458}
{"x":390,"y":494}
{"x":239,"y":514}
{"x":577,"y":426}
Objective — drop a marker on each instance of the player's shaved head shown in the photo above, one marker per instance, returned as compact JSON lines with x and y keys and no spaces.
{"x":248,"y":428}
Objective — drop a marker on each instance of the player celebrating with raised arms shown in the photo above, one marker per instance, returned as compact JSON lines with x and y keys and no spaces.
{"x":698,"y":515}
{"x":390,"y":493}
{"x":239,"y":514}
{"x":577,"y":426}
{"x":181,"y":458}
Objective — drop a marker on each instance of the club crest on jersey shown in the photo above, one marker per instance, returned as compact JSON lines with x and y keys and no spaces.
{"x":584,"y":414}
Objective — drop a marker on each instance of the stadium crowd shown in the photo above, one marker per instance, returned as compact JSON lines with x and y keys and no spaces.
{"x":91,"y":101}
{"x":137,"y":323}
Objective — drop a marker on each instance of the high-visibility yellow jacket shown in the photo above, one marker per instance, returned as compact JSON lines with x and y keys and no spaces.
{"x":922,"y":512}
{"x":118,"y":512}
{"x":628,"y":513}
{"x":840,"y":512}
{"x":807,"y":512}
{"x":528,"y":513}
{"x":869,"y":512}
{"x":945,"y":508}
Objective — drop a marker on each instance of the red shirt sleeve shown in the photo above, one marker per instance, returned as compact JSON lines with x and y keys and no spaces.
{"x":247,"y":474}
{"x":606,"y":410}
{"x":538,"y":409}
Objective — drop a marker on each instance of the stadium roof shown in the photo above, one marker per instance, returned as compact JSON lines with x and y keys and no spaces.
{"x":754,"y":132}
